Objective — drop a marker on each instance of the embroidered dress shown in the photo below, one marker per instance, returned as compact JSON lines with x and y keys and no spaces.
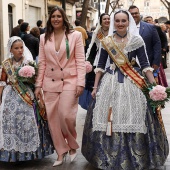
{"x":24,"y":135}
{"x":138,"y":141}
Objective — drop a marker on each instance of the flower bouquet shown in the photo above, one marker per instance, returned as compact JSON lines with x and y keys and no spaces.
{"x":156,"y":95}
{"x":27,"y":73}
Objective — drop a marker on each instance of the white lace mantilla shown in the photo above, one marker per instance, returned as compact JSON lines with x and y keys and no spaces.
{"x":128,"y":106}
{"x":1,"y":116}
{"x":134,"y":43}
{"x":2,"y":83}
{"x":18,"y":127}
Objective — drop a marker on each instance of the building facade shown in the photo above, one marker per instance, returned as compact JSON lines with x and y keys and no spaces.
{"x":30,"y":11}
{"x":154,"y":8}
{"x":33,"y":10}
{"x":11,"y":11}
{"x":92,"y":13}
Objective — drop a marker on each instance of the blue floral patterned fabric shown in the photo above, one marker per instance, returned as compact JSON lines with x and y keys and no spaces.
{"x":125,"y":151}
{"x":20,"y":126}
{"x":46,"y":147}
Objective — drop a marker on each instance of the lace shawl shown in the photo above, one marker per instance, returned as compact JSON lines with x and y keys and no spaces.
{"x":16,"y":113}
{"x":128,"y":106}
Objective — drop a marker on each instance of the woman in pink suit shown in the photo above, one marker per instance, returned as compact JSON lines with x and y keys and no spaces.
{"x":62,"y":78}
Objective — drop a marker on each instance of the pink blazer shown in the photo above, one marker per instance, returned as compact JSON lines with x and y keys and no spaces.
{"x":57,"y":73}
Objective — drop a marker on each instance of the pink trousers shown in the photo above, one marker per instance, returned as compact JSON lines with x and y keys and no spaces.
{"x":61,"y":113}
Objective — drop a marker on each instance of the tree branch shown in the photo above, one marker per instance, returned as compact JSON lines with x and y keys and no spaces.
{"x":107,"y":7}
{"x":166,"y":5}
{"x":167,"y":2}
{"x":133,"y":2}
{"x":114,"y":7}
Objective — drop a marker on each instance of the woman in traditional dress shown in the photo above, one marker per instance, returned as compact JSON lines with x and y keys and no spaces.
{"x":121,"y":131}
{"x":92,"y":56}
{"x":24,"y":134}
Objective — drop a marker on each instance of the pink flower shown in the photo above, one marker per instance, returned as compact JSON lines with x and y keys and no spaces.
{"x":89,"y":67}
{"x":26,"y":71}
{"x":158,"y":93}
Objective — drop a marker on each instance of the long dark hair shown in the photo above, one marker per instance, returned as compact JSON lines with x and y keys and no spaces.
{"x":101,"y":17}
{"x":49,"y":27}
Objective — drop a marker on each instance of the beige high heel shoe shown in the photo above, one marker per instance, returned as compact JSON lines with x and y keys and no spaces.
{"x":57,"y":163}
{"x":73,"y":156}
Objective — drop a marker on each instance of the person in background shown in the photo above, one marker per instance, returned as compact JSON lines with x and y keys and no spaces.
{"x":156,"y":22}
{"x":92,"y":55}
{"x":39,"y":25}
{"x":167,"y":23}
{"x":149,"y":20}
{"x":82,"y":30}
{"x":88,"y":40}
{"x":161,"y":75}
{"x":24,"y":28}
{"x":151,"y":38}
{"x":61,"y":75}
{"x":166,"y":48}
{"x":16,"y":30}
{"x":36,"y":33}
{"x":31,"y":41}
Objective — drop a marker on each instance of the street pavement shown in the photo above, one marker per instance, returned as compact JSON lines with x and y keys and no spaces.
{"x":80,"y":162}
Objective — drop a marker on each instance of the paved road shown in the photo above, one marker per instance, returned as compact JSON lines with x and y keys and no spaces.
{"x":81,"y":163}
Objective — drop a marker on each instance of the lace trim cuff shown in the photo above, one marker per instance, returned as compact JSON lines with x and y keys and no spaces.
{"x":99,"y":69}
{"x":2,"y":83}
{"x":36,"y":85}
{"x":147,"y":69}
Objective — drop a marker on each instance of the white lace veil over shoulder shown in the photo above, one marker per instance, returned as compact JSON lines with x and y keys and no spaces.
{"x":95,"y":32}
{"x":27,"y":54}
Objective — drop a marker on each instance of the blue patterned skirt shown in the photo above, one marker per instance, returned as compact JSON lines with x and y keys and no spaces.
{"x":46,"y":148}
{"x":125,"y":151}
{"x":20,"y":126}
